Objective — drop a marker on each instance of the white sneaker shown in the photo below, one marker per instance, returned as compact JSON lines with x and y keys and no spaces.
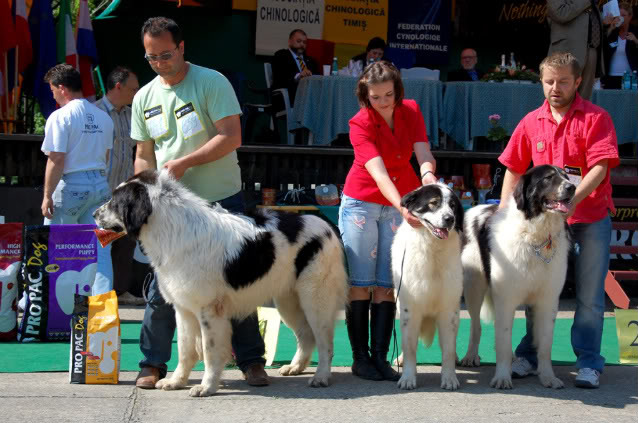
{"x":587,"y":378}
{"x":521,"y":368}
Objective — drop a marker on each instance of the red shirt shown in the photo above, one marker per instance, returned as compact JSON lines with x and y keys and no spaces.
{"x":584,"y":136}
{"x":371,"y":137}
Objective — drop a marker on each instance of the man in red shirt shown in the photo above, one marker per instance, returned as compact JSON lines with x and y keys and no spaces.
{"x":574,"y":134}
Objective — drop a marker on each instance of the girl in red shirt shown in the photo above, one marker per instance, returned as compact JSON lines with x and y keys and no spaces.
{"x":384,"y":134}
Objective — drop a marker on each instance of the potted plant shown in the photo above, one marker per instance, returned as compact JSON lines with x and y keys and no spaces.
{"x":497,"y":135}
{"x":521,"y":76}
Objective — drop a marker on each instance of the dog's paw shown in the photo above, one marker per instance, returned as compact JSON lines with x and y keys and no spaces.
{"x":470,"y":361}
{"x":501,"y":382}
{"x":168,"y":385}
{"x":319,"y":381}
{"x":449,"y":381}
{"x":202,"y":391}
{"x":398,"y":361}
{"x":291,"y":370}
{"x":407,"y":382}
{"x":551,"y":382}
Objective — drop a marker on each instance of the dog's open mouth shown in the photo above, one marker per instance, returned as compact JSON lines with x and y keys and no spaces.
{"x":440,"y":233}
{"x":561,"y":206}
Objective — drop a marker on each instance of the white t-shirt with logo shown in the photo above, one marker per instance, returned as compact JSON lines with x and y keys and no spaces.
{"x":82,"y":131}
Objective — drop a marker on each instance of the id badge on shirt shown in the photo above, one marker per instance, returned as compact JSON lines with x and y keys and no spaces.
{"x":188,"y":120}
{"x":574,"y":173}
{"x":155,"y":122}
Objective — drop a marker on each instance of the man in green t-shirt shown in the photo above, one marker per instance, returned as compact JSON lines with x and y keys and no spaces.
{"x":186,"y":120}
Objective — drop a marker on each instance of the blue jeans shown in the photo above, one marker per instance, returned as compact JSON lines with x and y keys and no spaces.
{"x":76,"y":197}
{"x":589,"y":262}
{"x":367,"y":230}
{"x":158,"y":326}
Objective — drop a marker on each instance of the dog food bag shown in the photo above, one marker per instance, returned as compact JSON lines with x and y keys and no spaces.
{"x":58,"y":262}
{"x":95,"y":340}
{"x":10,"y":256}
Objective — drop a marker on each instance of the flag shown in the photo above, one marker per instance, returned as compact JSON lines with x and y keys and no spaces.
{"x":67,"y":51}
{"x":23,"y":37}
{"x":86,"y":49}
{"x":22,"y":34}
{"x":44,"y":53}
{"x":8,"y":38}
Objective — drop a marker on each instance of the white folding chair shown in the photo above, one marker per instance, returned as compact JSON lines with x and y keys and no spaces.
{"x":421,"y":73}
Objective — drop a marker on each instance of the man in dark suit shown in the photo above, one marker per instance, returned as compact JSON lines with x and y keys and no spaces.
{"x":468,"y":71}
{"x":576,"y":28}
{"x":291,"y":64}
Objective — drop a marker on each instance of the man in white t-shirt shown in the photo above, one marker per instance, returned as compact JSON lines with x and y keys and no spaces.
{"x":77,"y":139}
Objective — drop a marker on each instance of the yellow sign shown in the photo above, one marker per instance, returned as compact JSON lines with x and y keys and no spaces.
{"x":355,"y":21}
{"x":627,"y":327}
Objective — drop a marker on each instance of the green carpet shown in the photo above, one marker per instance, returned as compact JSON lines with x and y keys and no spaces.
{"x":43,"y":357}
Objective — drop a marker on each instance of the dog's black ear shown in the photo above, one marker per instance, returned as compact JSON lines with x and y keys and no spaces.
{"x":408,"y":199}
{"x":519,"y":192}
{"x":458,"y":213}
{"x":134,"y":206}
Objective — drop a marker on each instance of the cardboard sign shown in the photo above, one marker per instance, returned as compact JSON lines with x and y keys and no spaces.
{"x":627,"y":328}
{"x":269,"y":323}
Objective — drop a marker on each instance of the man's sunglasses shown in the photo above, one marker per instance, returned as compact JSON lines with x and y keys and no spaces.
{"x":163,"y":56}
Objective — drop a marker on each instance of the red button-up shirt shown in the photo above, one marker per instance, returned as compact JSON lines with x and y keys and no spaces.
{"x":584,"y":136}
{"x":371,"y":137}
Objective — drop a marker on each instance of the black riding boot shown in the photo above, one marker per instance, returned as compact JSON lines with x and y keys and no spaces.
{"x":357,"y":323}
{"x":381,"y":333}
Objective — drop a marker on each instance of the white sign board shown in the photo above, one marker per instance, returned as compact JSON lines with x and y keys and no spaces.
{"x":277,"y":18}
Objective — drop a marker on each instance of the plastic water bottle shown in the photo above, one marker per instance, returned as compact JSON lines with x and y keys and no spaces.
{"x":626,"y":81}
{"x":634,"y":81}
{"x":335,"y":66}
{"x":512,"y":61}
{"x":503,"y":65}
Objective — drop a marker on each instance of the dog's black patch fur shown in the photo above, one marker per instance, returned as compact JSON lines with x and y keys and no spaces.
{"x":534,"y":185}
{"x":148,"y":177}
{"x":307,"y":252}
{"x":254,"y":260}
{"x":134,"y":206}
{"x":259,"y":217}
{"x":290,"y":224}
{"x":481,"y":231}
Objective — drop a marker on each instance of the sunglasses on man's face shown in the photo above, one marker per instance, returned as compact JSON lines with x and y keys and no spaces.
{"x":164,"y":56}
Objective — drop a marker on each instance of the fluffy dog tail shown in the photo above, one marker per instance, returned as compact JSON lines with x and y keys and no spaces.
{"x":487,"y":310}
{"x":428,"y":329}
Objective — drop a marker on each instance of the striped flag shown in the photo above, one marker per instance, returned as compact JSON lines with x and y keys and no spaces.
{"x":86,"y":49}
{"x":67,"y":51}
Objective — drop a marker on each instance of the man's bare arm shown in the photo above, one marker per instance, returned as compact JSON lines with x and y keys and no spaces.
{"x":145,"y":156}
{"x":509,"y":182}
{"x":52,"y":175}
{"x":226,"y":141}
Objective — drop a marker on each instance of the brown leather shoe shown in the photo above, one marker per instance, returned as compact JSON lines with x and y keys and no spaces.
{"x":255,"y":375}
{"x":147,"y":378}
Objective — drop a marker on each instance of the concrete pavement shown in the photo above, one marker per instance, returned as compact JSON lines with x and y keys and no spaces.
{"x":48,"y":397}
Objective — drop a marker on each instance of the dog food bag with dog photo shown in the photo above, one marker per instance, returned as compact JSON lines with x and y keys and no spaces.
{"x":95,"y":340}
{"x":58,"y":262}
{"x":10,"y":256}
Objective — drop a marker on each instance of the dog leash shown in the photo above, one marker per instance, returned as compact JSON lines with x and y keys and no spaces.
{"x":395,"y":348}
{"x":547,"y":244}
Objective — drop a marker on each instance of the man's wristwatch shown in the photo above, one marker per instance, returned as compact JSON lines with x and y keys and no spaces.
{"x":425,"y":173}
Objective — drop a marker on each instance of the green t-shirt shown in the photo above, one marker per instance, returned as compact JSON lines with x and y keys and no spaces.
{"x":179,"y":119}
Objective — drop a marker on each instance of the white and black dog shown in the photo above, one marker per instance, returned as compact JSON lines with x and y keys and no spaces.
{"x":518,"y":255}
{"x":426,"y":268}
{"x":213,"y":265}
